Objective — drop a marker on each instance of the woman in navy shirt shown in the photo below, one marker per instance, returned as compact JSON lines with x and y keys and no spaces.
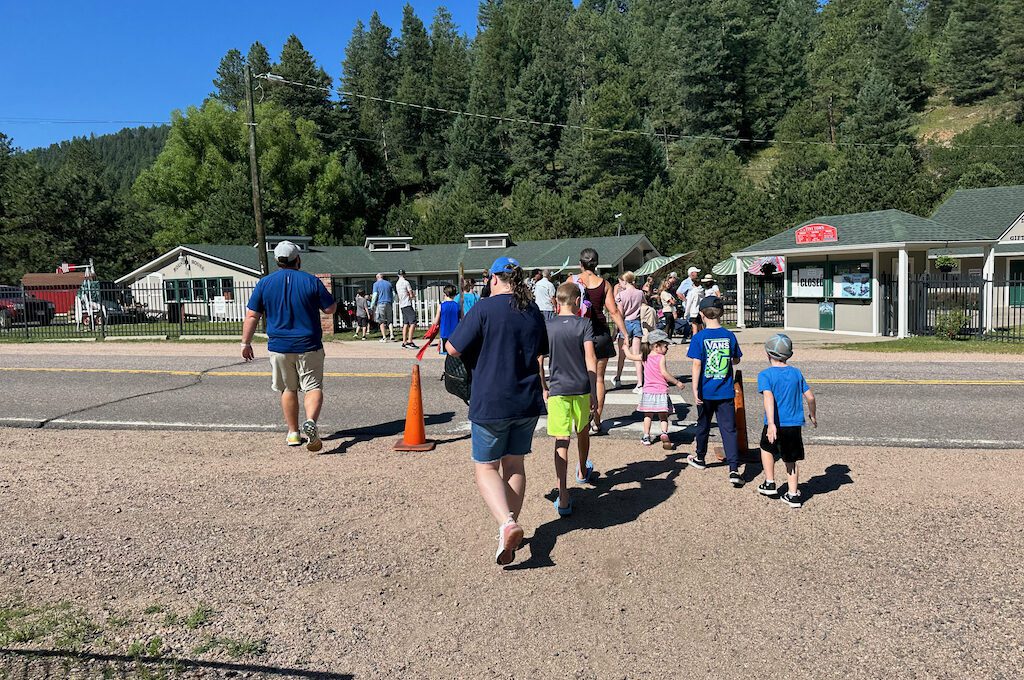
{"x":501,"y":340}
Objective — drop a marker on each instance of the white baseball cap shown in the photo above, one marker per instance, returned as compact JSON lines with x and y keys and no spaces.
{"x":287,"y":251}
{"x":673,"y":275}
{"x":691,"y":270}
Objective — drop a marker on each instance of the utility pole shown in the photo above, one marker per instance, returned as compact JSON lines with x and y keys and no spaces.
{"x":254,"y":170}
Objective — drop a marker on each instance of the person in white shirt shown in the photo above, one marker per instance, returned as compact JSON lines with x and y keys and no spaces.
{"x":544,"y":295}
{"x":405,"y":304}
{"x":693,"y":299}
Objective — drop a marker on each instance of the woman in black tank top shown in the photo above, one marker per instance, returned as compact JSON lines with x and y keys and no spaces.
{"x":602,"y":306}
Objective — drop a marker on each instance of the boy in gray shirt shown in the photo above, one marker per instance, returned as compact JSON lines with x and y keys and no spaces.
{"x":571,"y":391}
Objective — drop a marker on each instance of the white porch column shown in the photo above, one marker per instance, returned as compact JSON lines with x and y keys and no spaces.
{"x":740,"y":295}
{"x":904,"y":291}
{"x":875,"y":305}
{"x":988,"y":273}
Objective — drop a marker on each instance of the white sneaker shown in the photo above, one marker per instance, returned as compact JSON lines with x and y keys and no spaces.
{"x":639,"y":389}
{"x":382,"y":340}
{"x":616,"y":383}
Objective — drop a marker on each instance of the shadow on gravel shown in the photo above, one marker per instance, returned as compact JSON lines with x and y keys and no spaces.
{"x":834,"y":477}
{"x":392,"y":429}
{"x":605,"y":505}
{"x":52,"y":664}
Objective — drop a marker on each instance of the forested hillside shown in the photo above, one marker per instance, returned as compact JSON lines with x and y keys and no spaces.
{"x":707,"y":125}
{"x":123,"y":154}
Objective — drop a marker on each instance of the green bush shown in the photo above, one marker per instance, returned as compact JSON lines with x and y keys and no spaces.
{"x":949,"y":324}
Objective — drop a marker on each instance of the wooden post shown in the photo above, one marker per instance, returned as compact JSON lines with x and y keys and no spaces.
{"x":254,"y":172}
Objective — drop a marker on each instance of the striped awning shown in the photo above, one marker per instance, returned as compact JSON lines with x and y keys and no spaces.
{"x":657,"y":264}
{"x":751,"y":264}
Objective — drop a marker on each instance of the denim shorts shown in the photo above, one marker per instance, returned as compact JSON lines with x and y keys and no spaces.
{"x":634,"y":328}
{"x":492,"y":441}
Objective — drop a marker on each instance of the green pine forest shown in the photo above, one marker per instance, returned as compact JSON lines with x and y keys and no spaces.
{"x":707,"y":125}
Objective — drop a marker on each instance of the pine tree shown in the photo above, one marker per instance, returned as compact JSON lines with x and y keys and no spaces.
{"x":898,"y":60}
{"x":258,"y":59}
{"x":879,"y":116}
{"x":297,"y":65}
{"x":449,"y":89}
{"x":784,"y":79}
{"x":230,"y":80}
{"x":406,"y":124}
{"x":540,"y":95}
{"x":969,"y":51}
{"x":1011,"y":43}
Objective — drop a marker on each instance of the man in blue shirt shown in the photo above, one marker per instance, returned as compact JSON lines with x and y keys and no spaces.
{"x":291,"y":301}
{"x":383,"y":304}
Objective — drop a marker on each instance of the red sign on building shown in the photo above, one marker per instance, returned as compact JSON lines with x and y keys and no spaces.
{"x":817,"y":233}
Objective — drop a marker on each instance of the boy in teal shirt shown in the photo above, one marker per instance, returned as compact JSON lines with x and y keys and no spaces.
{"x":715,"y":351}
{"x":784,"y":390}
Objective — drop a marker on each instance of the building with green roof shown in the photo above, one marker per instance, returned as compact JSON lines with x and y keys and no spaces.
{"x":195,"y":274}
{"x":853,"y":273}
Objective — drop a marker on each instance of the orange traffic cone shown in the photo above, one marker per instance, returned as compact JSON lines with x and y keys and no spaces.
{"x":415,"y":437}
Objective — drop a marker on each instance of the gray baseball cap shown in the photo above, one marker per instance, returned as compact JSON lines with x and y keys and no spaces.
{"x":287,"y":251}
{"x":779,"y":346}
{"x":656,"y":336}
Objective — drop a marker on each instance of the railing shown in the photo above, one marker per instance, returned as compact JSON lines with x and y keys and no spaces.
{"x":957,"y":305}
{"x":101,"y":310}
{"x":762,"y":298}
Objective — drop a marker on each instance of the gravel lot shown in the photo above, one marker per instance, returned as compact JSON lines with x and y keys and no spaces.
{"x":376,"y":564}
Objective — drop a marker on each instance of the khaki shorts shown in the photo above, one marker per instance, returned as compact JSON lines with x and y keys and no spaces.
{"x":294,"y":372}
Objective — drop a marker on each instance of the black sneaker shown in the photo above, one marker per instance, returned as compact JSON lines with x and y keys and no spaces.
{"x":793,"y":500}
{"x":696,"y":462}
{"x":405,"y":345}
{"x":768,"y":489}
{"x":413,"y":345}
{"x":735,"y":479}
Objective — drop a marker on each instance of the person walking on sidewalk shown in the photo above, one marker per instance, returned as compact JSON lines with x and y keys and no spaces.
{"x":292,"y":300}
{"x":544,"y":296}
{"x":502,"y":341}
{"x":629,"y":298}
{"x":383,"y":312}
{"x":362,"y":315}
{"x":406,"y":298}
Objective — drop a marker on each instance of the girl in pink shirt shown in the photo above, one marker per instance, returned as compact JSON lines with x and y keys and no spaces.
{"x":654,"y":398}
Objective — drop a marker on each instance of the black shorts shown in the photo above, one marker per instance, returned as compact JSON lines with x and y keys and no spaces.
{"x":789,"y":443}
{"x":604,"y":347}
{"x":409,"y":315}
{"x":362,"y":321}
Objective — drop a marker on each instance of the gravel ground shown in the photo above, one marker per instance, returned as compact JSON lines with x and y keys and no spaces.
{"x":377,"y":564}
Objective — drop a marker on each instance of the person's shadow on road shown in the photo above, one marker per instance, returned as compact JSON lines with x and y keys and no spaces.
{"x":608,"y":504}
{"x":834,"y":477}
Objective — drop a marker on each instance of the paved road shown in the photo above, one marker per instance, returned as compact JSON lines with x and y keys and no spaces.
{"x":870,"y":403}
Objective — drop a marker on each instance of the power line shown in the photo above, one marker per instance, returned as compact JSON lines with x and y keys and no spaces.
{"x":271,"y":77}
{"x":79,"y":121}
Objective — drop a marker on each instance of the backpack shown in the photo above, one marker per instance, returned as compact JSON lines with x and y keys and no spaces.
{"x":584,"y":300}
{"x":457,"y":378}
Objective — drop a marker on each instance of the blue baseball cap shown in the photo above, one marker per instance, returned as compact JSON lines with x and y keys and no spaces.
{"x":503,"y":264}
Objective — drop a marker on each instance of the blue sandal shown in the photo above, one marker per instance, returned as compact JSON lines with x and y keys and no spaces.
{"x":590,"y":471}
{"x":562,"y":512}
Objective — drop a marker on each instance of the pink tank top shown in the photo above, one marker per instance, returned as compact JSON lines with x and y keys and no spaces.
{"x":654,"y":381}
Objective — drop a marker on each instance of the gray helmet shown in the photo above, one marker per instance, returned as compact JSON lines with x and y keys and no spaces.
{"x":657,"y":336}
{"x":779,"y":346}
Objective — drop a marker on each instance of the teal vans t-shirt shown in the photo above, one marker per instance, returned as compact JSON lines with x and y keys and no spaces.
{"x":716,"y":348}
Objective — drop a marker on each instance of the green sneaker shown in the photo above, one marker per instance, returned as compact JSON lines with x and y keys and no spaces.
{"x":294,"y":439}
{"x":313,"y":443}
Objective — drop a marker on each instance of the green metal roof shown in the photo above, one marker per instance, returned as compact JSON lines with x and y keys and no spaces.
{"x":880,"y":226}
{"x":986,"y":211}
{"x":358,"y":260}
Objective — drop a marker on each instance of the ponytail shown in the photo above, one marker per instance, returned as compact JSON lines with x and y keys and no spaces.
{"x":516,"y":280}
{"x":645,"y":350}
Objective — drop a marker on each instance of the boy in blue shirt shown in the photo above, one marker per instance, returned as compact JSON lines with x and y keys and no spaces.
{"x":715,"y":351}
{"x":784,"y":390}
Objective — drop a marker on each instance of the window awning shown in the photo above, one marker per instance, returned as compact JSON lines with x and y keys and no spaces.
{"x":751,"y":264}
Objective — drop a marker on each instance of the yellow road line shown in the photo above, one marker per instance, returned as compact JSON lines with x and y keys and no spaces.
{"x":220,"y":374}
{"x":264,"y":374}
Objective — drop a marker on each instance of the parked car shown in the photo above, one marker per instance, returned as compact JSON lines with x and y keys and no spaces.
{"x":23,"y":308}
{"x":116,"y":313}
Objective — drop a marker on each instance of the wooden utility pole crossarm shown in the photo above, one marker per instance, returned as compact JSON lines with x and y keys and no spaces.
{"x":254,"y":170}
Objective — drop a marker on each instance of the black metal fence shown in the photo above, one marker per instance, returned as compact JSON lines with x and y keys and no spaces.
{"x":763,"y":300}
{"x":957,"y":306}
{"x":204,"y":307}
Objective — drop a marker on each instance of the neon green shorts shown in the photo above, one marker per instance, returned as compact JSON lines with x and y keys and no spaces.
{"x":568,"y":414}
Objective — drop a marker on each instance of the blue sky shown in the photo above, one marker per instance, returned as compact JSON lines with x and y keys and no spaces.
{"x":138,"y":61}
